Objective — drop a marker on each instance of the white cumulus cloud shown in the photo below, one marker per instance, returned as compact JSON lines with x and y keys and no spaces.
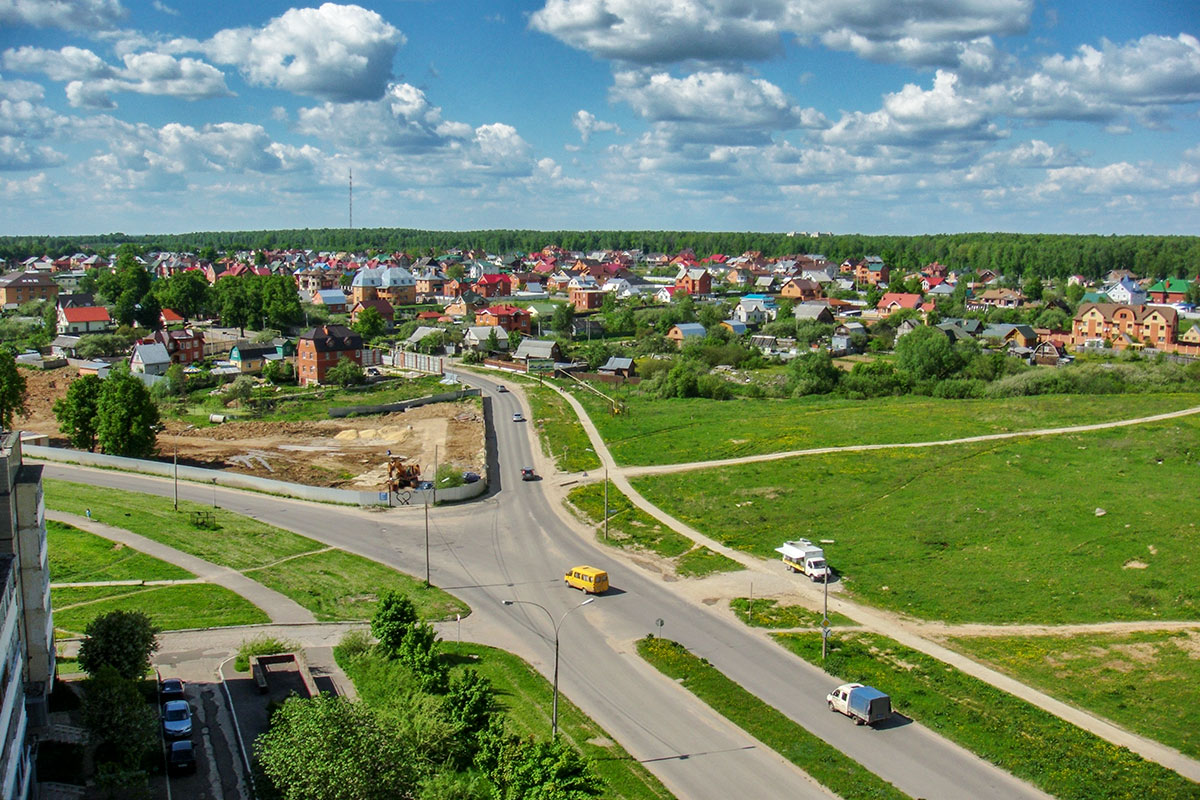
{"x":335,"y":52}
{"x":587,"y":123}
{"x":81,"y":15}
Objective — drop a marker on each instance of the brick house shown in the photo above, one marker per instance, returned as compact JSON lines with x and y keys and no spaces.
{"x":694,"y":281}
{"x":801,"y":289}
{"x":892,"y":302}
{"x":379,"y":304}
{"x":871,"y":271}
{"x":510,"y":318}
{"x":586,"y":299}
{"x":1168,"y":290}
{"x":497,"y":285}
{"x":21,"y":287}
{"x":184,"y":346}
{"x":1125,"y":326}
{"x":320,"y":348}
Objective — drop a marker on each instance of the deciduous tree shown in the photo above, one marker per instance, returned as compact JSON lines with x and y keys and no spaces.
{"x":346,"y":373}
{"x":370,"y":323}
{"x":335,"y":749}
{"x":126,"y":416}
{"x":392,"y":621}
{"x":12,"y":389}
{"x":77,"y":411}
{"x":123,"y":640}
{"x":117,"y":717}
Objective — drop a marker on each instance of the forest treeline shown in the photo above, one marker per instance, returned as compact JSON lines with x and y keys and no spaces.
{"x":1047,"y":255}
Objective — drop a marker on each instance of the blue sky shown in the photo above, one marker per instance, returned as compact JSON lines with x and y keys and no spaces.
{"x":871,"y":116}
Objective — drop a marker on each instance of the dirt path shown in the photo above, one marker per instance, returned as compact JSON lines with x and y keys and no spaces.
{"x":279,"y":607}
{"x":911,"y":633}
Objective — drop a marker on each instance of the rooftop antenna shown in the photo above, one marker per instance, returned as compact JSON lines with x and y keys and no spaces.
{"x":351,"y":199}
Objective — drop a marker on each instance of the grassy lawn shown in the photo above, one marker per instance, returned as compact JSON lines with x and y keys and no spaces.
{"x":1144,"y":681}
{"x":238,"y":542}
{"x":78,"y":556}
{"x":193,"y":605}
{"x":559,"y":429}
{"x":525,"y":697}
{"x":769,"y":614}
{"x":634,"y":529}
{"x":825,"y":763}
{"x":336,"y":586}
{"x":1057,"y":757}
{"x":330,"y":584}
{"x":679,"y":431}
{"x":1008,"y":529}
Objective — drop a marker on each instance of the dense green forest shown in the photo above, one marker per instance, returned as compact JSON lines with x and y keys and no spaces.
{"x":1046,"y":255}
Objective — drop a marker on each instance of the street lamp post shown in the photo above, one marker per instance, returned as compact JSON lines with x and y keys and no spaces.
{"x":557,"y":625}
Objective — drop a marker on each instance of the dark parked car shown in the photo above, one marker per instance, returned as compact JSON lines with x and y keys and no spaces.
{"x":177,"y":719}
{"x":527,"y":474}
{"x":470,"y":477}
{"x":170,"y":689}
{"x":181,"y":757}
{"x":425,"y":485}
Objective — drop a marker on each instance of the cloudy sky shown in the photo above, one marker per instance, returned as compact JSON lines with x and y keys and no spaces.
{"x":872,"y":116}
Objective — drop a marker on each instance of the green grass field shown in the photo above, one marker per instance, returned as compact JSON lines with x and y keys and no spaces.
{"x":193,"y":605}
{"x":328,"y":584}
{"x":559,"y":430}
{"x":525,"y":698}
{"x":825,"y":763}
{"x":78,"y":556}
{"x":680,"y":431}
{"x":1057,"y":757}
{"x":631,"y":528}
{"x":999,"y":532}
{"x":1143,"y":681}
{"x":336,"y":586}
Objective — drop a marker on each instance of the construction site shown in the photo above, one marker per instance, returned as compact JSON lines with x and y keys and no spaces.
{"x":361,"y":453}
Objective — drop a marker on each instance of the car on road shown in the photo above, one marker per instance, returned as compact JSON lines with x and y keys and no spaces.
{"x":517,"y":417}
{"x":527,"y":474}
{"x":177,"y":719}
{"x":372,"y":371}
{"x":587,"y":579}
{"x":470,"y":477}
{"x":866,"y":705}
{"x":181,"y":757}
{"x":170,"y":689}
{"x":502,"y":388}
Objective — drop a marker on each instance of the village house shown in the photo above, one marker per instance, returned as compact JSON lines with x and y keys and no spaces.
{"x":332,"y":299}
{"x":510,"y":318}
{"x":538,"y":350}
{"x":695,"y":281}
{"x":22,"y":287}
{"x":686,"y":331}
{"x":319,"y":349}
{"x":493,"y":285}
{"x":394,"y":284}
{"x":586,"y":299}
{"x":755,"y":310}
{"x":891,"y":302}
{"x":996,"y":298}
{"x":813,"y":312}
{"x":183,"y":346}
{"x":621,"y":367}
{"x":476,"y":337}
{"x":465,"y":305}
{"x":1125,"y":291}
{"x":149,"y":359}
{"x":1010,"y":334}
{"x":88,"y":319}
{"x":801,"y":289}
{"x":1167,"y":291}
{"x":382,"y":306}
{"x":1124,"y":326}
{"x":871,"y":271}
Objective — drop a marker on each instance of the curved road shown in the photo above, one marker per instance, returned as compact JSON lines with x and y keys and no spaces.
{"x":515,"y":544}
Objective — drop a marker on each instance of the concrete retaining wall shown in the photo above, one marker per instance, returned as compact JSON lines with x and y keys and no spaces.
{"x":320,"y":494}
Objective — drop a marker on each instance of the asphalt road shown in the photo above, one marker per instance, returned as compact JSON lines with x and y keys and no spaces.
{"x":513,"y":544}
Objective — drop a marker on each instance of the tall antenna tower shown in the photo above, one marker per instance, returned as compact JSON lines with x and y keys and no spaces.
{"x":352,"y":199}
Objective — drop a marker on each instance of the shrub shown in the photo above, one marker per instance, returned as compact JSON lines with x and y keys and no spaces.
{"x":261,"y":645}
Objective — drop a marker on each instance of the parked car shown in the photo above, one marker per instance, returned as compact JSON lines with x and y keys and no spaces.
{"x":373,"y":371}
{"x":170,"y":689}
{"x":470,"y":477}
{"x":177,"y":719}
{"x":425,"y":485}
{"x":527,"y":474}
{"x":181,"y":757}
{"x":502,"y":388}
{"x":517,"y":417}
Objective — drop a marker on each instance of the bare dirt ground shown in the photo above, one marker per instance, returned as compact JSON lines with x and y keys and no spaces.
{"x":347,"y":453}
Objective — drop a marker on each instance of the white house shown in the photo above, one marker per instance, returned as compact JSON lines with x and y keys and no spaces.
{"x":1126,"y":292}
{"x":152,"y":359}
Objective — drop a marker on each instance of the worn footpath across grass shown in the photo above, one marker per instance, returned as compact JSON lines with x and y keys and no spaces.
{"x":1145,"y":681}
{"x":678,"y":431}
{"x":825,"y":763}
{"x":190,"y":605}
{"x":1034,"y":745}
{"x":525,"y":698}
{"x":767,"y":613}
{"x":1010,"y":529}
{"x":326,"y":583}
{"x":631,"y":528}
